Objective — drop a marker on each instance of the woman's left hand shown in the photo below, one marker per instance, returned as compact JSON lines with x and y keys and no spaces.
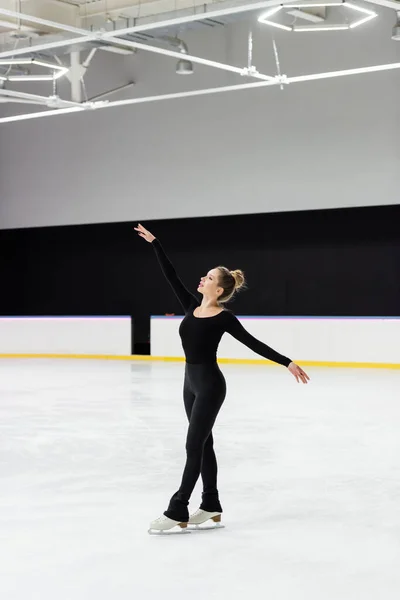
{"x":297,"y":372}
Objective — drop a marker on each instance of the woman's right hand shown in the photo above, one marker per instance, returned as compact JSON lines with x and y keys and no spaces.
{"x":149,"y":237}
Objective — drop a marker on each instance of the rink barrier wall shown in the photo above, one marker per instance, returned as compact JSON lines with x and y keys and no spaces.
{"x":366,"y":342}
{"x":66,"y":335}
{"x":339,"y":342}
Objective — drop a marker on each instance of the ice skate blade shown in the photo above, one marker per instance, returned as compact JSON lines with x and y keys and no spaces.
{"x":197,"y":528}
{"x":173,"y":531}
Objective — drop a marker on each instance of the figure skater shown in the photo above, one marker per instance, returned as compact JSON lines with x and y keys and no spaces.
{"x":204,"y":384}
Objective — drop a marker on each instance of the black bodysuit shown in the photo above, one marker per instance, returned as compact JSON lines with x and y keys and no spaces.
{"x":204,"y":390}
{"x":201,"y":336}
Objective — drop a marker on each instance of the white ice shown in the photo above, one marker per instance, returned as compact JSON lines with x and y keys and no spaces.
{"x":91,"y":451}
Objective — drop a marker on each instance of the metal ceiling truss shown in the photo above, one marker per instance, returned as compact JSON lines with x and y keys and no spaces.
{"x":116,"y":38}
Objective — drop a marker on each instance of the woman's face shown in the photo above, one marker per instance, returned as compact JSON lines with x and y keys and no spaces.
{"x":209,"y":284}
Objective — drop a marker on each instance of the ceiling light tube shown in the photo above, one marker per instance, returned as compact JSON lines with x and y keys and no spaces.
{"x":365,"y":20}
{"x":278,"y":25}
{"x":58,"y":70}
{"x":312,"y":5}
{"x":42,"y":63}
{"x":269,"y":13}
{"x":327,"y":28}
{"x":26,"y":96}
{"x":363,"y":10}
{"x":52,"y":77}
{"x":30,"y":78}
{"x":38,"y":115}
{"x":357,"y":71}
{"x":370,"y":15}
{"x":31,"y":61}
{"x":60,"y":73}
{"x":9,"y":99}
{"x":16,"y":61}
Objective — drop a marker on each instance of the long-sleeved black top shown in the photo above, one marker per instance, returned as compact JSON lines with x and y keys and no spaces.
{"x":201,"y":335}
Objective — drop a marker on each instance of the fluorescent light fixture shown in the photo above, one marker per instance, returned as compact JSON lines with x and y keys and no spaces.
{"x":42,"y":63}
{"x":30,"y":78}
{"x":269,"y":13}
{"x":312,"y":5}
{"x":371,"y":14}
{"x":278,"y":25}
{"x":116,"y":50}
{"x":363,"y":10}
{"x":16,"y":61}
{"x":60,"y":73}
{"x":38,"y":115}
{"x":58,"y":70}
{"x":31,"y":61}
{"x":52,"y":77}
{"x":364,"y":20}
{"x":264,"y":18}
{"x":326,"y":28}
{"x":358,"y":71}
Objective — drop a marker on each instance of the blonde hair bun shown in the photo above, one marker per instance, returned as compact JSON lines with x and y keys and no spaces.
{"x":231,"y":282}
{"x":238,"y":276}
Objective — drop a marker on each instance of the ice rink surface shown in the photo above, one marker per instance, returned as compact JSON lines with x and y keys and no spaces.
{"x":91,"y":451}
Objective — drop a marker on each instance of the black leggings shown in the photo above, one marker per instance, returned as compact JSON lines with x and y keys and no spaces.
{"x":203,"y":393}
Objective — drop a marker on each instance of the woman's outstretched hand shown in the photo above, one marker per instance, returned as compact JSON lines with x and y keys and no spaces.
{"x":297,"y":372}
{"x":149,"y":237}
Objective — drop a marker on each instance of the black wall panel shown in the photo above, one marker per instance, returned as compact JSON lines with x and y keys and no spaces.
{"x":334,"y":262}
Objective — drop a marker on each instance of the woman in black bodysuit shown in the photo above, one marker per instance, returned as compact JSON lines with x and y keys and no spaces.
{"x":204,"y":385}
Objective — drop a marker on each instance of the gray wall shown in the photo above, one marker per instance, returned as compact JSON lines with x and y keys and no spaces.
{"x":323,"y":144}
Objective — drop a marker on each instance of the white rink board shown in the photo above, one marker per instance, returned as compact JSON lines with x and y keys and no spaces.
{"x":65,"y":335}
{"x":352,"y":339}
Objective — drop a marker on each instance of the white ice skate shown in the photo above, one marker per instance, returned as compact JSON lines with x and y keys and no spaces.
{"x":165,"y":525}
{"x":198,"y":521}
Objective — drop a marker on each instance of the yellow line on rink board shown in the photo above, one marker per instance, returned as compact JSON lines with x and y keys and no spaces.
{"x":236,"y":361}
